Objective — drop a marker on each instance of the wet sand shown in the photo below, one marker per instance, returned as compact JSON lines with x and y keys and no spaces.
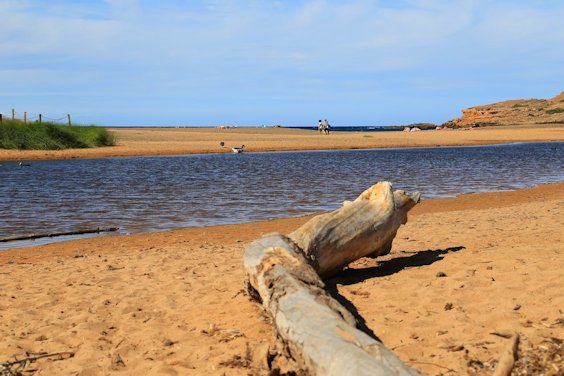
{"x":173,"y":302}
{"x":175,"y":141}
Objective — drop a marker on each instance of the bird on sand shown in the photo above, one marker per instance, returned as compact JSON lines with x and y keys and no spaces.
{"x":238,"y":150}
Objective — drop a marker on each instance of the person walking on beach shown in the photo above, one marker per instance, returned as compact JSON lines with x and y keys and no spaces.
{"x":326,"y":127}
{"x":320,"y":126}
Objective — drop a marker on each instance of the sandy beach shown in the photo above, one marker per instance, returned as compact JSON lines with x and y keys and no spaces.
{"x":464,"y":273}
{"x":173,"y":302}
{"x":175,"y":141}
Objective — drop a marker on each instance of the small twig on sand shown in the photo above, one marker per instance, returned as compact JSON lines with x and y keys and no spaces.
{"x":502,"y":335}
{"x":14,"y":367}
{"x":431,"y":364}
{"x":508,"y":357}
{"x":119,"y":343}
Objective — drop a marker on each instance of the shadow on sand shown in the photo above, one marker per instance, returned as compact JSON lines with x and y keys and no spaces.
{"x":384,"y":268}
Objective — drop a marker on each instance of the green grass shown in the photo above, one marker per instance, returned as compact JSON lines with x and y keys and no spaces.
{"x":554,"y":110}
{"x":49,"y":136}
{"x":517,"y":105}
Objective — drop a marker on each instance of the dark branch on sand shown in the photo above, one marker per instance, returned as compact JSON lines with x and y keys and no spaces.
{"x":52,"y":235}
{"x":16,"y":366}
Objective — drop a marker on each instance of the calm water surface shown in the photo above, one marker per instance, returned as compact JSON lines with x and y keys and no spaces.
{"x":157,"y":193}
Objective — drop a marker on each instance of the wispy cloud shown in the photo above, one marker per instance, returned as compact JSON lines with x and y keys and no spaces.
{"x":231,"y":57}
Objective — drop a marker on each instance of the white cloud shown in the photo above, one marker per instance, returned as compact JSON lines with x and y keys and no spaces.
{"x":319,"y":35}
{"x":277,"y":49}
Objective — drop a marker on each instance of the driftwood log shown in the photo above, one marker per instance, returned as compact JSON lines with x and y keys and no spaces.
{"x":285,"y":273}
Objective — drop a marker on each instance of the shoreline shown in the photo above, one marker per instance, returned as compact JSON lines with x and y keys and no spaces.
{"x":134,"y":142}
{"x":173,"y":302}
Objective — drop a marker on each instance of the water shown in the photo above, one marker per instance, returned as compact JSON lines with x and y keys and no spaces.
{"x":157,"y":193}
{"x":362,"y":128}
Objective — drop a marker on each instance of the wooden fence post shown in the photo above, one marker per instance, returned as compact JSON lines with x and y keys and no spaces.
{"x":25,"y":118}
{"x":39,"y":118}
{"x":13,"y":114}
{"x":0,"y":118}
{"x":68,"y":117}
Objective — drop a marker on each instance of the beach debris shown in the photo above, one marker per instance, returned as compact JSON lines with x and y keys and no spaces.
{"x":517,"y":307}
{"x":448,"y":306}
{"x":238,"y":361}
{"x":476,"y":364}
{"x":261,"y":356}
{"x":119,"y":343}
{"x":111,"y":268}
{"x":211,"y":331}
{"x":20,"y":363}
{"x":54,"y":234}
{"x":168,"y":342}
{"x":484,"y":344}
{"x":285,"y":274}
{"x":364,"y":294}
{"x":502,"y":335}
{"x":440,"y":274}
{"x":228,"y":335}
{"x":225,"y":335}
{"x":117,"y":361}
{"x":537,"y":359}
{"x":454,"y":348}
{"x":508,"y":357}
{"x":222,"y":144}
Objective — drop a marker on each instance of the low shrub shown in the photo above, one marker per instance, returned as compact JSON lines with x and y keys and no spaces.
{"x":15,"y":134}
{"x":554,"y":110}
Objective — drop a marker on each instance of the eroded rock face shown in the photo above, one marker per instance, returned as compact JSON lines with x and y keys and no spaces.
{"x":520,"y":111}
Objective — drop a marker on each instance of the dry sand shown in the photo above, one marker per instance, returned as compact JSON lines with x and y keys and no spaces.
{"x":172,"y":303}
{"x":173,"y":141}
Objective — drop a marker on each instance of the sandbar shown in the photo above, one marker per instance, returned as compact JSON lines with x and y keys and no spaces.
{"x":178,"y":141}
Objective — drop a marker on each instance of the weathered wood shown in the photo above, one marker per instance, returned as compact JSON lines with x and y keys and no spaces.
{"x":508,"y":357}
{"x":55,"y":234}
{"x":284,"y":272}
{"x":363,"y":227}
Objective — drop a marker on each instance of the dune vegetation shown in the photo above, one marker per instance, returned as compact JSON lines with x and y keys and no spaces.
{"x":15,"y":134}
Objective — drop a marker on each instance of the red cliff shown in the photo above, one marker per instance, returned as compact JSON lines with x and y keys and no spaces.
{"x":518,"y":111}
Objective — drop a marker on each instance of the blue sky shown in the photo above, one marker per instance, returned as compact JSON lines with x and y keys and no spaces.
{"x":250,"y":62}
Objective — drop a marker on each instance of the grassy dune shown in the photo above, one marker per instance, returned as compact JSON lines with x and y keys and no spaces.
{"x":49,"y":136}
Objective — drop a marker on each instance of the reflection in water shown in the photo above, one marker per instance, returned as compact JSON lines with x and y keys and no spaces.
{"x":154,"y":193}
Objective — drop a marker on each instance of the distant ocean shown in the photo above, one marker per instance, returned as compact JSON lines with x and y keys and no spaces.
{"x":356,"y":129}
{"x":333,"y":129}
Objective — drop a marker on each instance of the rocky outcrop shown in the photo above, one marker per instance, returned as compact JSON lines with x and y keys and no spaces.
{"x":519,"y":111}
